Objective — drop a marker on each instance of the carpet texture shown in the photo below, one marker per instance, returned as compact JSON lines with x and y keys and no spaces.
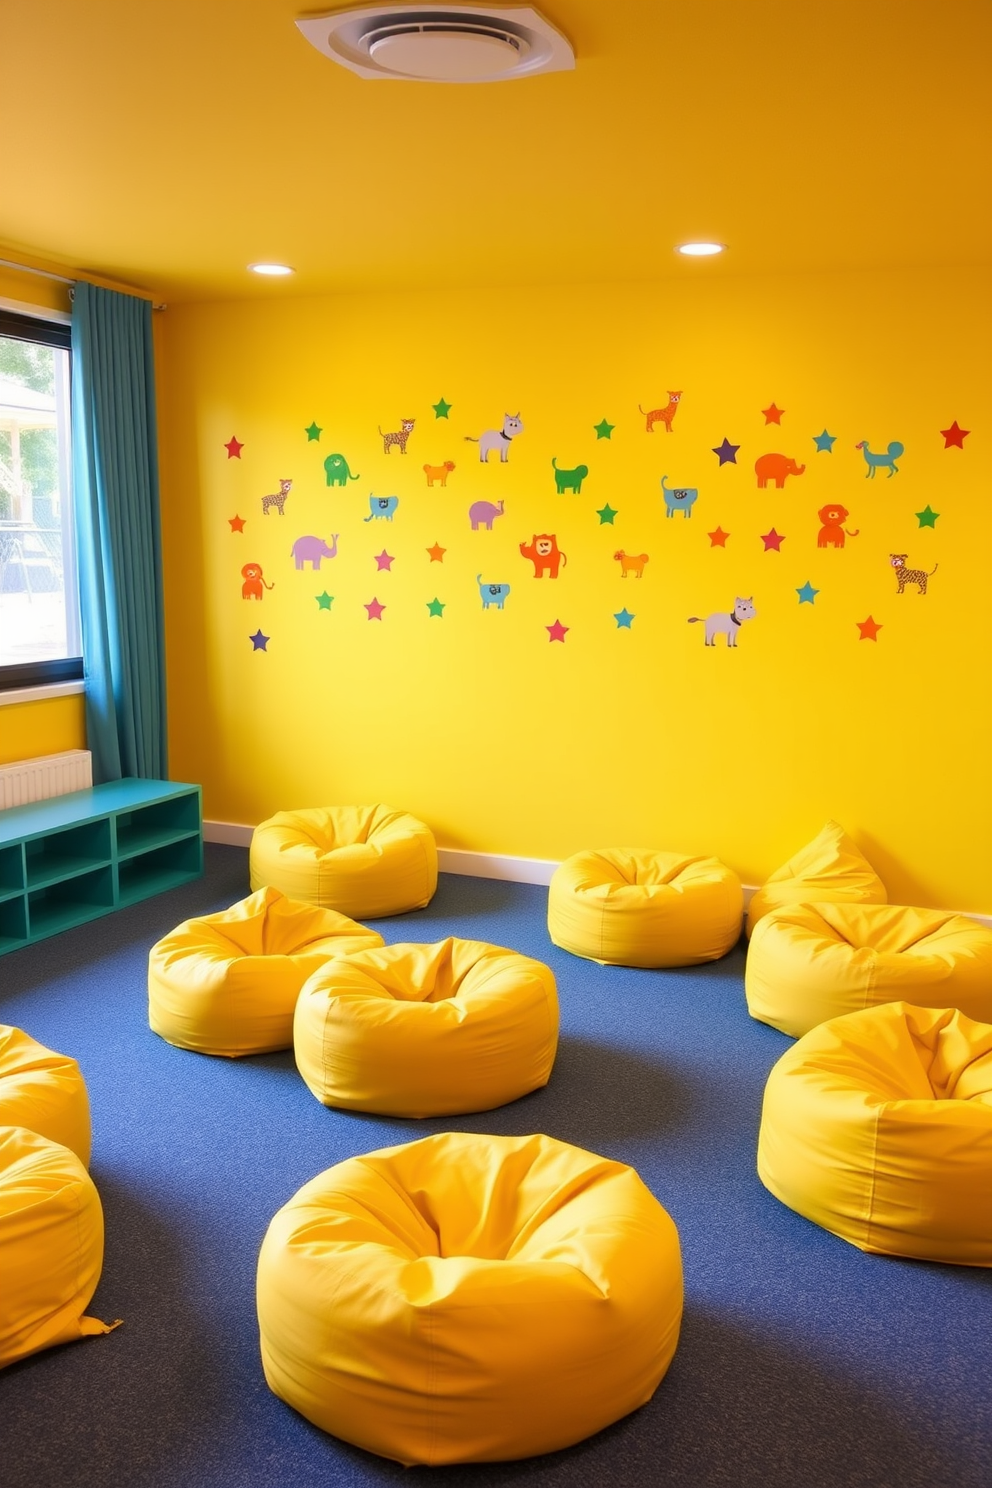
{"x":802,"y":1364}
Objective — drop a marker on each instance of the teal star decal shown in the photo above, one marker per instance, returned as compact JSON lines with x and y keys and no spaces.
{"x":435,"y":607}
{"x":807,"y":594}
{"x":324,"y":601}
{"x":606,"y":515}
{"x":313,"y":432}
{"x":926,"y":517}
{"x":603,"y":429}
{"x":440,"y":408}
{"x":824,"y":442}
{"x":623,"y":619}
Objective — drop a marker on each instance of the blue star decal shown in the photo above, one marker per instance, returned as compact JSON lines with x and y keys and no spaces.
{"x":259,"y":641}
{"x":727,"y":452}
{"x":623,"y":619}
{"x":807,"y":593}
{"x":825,"y":442}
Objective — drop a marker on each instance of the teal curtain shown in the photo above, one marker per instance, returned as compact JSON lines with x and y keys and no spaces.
{"x":116,"y":503}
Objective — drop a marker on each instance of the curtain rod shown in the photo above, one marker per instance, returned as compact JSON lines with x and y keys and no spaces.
{"x":9,"y":263}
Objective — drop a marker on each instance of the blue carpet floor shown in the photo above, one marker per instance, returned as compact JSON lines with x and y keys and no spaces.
{"x":802,"y":1364}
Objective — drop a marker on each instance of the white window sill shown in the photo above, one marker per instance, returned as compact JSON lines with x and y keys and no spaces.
{"x":43,"y":693}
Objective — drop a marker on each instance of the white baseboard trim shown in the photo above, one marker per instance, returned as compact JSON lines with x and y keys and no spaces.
{"x":231,"y":834}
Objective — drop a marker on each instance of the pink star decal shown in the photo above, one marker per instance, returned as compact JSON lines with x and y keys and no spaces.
{"x":772,"y":414}
{"x":557,"y":632}
{"x":437,"y":553}
{"x":773,"y":541}
{"x":233,"y":448}
{"x":954,"y":437}
{"x":869,"y":629}
{"x":375,"y":610}
{"x":718,"y":539}
{"x":384,"y":560}
{"x":237,"y":524}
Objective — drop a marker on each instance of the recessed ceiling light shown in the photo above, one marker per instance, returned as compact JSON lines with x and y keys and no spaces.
{"x":700,"y":250}
{"x":270,"y":268}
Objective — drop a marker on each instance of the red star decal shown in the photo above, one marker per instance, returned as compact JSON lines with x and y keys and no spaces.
{"x":718,"y":539}
{"x":437,"y":553}
{"x":557,"y":632}
{"x":233,"y":448}
{"x":237,"y":524}
{"x":773,"y":541}
{"x":954,"y":437}
{"x":375,"y":610}
{"x":869,"y":629}
{"x":772,"y":414}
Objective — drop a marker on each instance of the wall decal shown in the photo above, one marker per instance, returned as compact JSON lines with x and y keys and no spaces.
{"x":313,"y":550}
{"x":772,"y":414}
{"x":437,"y":553}
{"x":493,"y":595}
{"x":606,"y":514}
{"x":255,"y":584}
{"x":603,"y":429}
{"x":484,"y":514}
{"x":259,"y":642}
{"x":807,"y":594}
{"x":338,"y":471}
{"x":397,"y":437}
{"x":568,"y":480}
{"x":324,"y":601}
{"x":498,"y":439}
{"x":678,"y":498}
{"x":824,"y":443}
{"x":955,"y":437}
{"x":775,"y":468}
{"x":833,"y":531}
{"x":313,"y":432}
{"x":889,"y":458}
{"x":375,"y":609}
{"x":277,"y":499}
{"x":773,"y":541}
{"x":869,"y":629}
{"x":237,"y":524}
{"x":927,"y":517}
{"x":557,"y":632}
{"x":726,"y":452}
{"x":439,"y":473}
{"x":441,"y":409}
{"x":722,"y":623}
{"x":624,"y":619}
{"x":917,"y":576}
{"x":382,"y":508}
{"x":234,"y":448}
{"x":545,"y":554}
{"x":385,"y":561}
{"x":662,"y":415}
{"x":435,"y":608}
{"x":631,"y":565}
{"x":718,"y":539}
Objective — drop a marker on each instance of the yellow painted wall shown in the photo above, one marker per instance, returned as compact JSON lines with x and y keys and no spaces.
{"x":507,"y":742}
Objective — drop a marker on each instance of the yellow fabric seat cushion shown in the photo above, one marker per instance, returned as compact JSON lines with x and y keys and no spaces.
{"x":469,"y":1298}
{"x":366,"y":861}
{"x":427,"y":1030}
{"x":227,"y":983}
{"x":43,"y":1091}
{"x":51,"y":1245}
{"x":878,"y":1126}
{"x":637,"y":907}
{"x":813,"y":962}
{"x":831,"y":868}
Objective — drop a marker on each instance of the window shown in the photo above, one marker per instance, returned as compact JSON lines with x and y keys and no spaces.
{"x":39,"y":596}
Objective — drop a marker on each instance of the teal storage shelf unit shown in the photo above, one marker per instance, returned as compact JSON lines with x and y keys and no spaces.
{"x":72,"y":858}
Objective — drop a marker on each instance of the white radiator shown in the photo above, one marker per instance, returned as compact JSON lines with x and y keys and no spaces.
{"x":49,"y":775}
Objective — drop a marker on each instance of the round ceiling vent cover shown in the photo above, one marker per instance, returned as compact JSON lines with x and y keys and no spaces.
{"x":440,"y":43}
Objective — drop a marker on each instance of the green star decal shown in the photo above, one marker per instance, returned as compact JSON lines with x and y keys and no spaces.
{"x":313,"y":432}
{"x":435,"y":607}
{"x":603,"y":429}
{"x":440,"y":408}
{"x":324,"y":601}
{"x":926,"y":517}
{"x":606,"y":515}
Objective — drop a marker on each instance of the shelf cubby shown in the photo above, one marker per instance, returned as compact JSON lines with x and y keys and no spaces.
{"x":11,"y":870}
{"x":61,"y":855}
{"x":140,"y":876}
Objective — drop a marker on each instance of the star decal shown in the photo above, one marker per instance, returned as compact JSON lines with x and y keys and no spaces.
{"x":726,"y":452}
{"x":926,"y":517}
{"x":435,"y":607}
{"x":375,"y":610}
{"x":954,"y":437}
{"x":259,"y":642}
{"x":324,"y":601}
{"x":718,"y":539}
{"x":314,"y":431}
{"x":437,"y":553}
{"x":623,"y":619}
{"x":385,"y":560}
{"x":772,"y":414}
{"x":869,"y":629}
{"x":807,"y":594}
{"x":773,"y":541}
{"x":440,"y":408}
{"x":824,"y":442}
{"x":603,"y":429}
{"x":606,"y":514}
{"x":237,"y":524}
{"x":557,"y":632}
{"x":233,"y":449}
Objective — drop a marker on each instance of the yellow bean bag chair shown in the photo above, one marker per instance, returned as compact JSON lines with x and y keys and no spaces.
{"x":51,"y":1245}
{"x":469,"y":1298}
{"x":878,"y":1126}
{"x":366,"y":861}
{"x":227,"y":983}
{"x":427,"y":1030}
{"x":44,"y":1092}
{"x":818,"y":961}
{"x":828,"y":869}
{"x":635,"y":907}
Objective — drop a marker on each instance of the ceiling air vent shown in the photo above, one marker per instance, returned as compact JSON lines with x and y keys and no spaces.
{"x":440,"y":43}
